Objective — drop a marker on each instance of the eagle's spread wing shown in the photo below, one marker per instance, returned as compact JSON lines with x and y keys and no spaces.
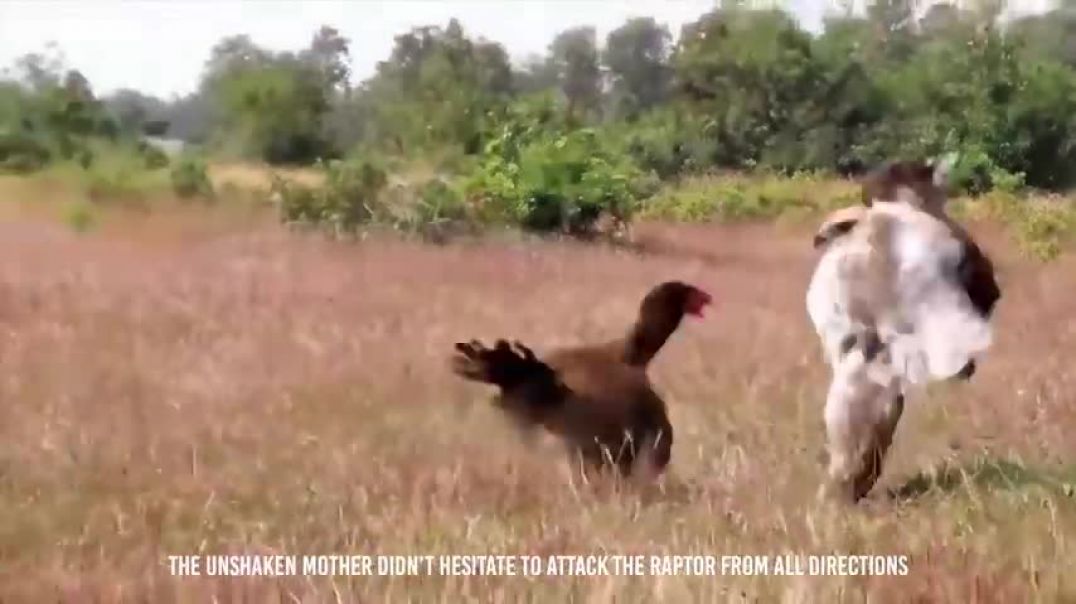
{"x":897,"y":275}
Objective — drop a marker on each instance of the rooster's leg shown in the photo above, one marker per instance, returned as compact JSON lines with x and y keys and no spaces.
{"x":653,"y":457}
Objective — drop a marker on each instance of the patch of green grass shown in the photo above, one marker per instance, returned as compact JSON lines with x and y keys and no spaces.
{"x":189,"y":177}
{"x":1046,"y":228}
{"x":115,"y":175}
{"x":80,"y":216}
{"x":988,"y":474}
{"x":736,"y":197}
{"x":118,"y":182}
{"x":1042,"y":226}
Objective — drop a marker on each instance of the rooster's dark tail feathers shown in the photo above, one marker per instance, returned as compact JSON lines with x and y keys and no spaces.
{"x":505,"y":365}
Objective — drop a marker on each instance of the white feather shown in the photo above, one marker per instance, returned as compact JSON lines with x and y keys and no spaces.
{"x":927,"y":321}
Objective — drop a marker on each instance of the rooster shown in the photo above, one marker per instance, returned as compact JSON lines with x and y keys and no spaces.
{"x":598,"y":399}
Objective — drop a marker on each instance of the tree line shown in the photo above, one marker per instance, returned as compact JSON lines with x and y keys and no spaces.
{"x":740,"y":89}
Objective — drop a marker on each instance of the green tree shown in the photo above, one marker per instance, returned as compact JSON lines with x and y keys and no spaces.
{"x":48,"y":111}
{"x":329,"y":56}
{"x":894,"y":27}
{"x":752,"y":73}
{"x":574,"y":54}
{"x":438,"y":87}
{"x":637,"y":56}
{"x":274,"y":104}
{"x":133,"y":110}
{"x":1051,"y":35}
{"x":537,"y":74}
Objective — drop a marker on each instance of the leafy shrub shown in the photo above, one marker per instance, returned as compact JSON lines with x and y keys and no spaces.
{"x":1004,"y":181}
{"x":86,"y":158}
{"x":21,"y":153}
{"x":349,"y":197}
{"x":433,"y":209}
{"x":976,"y":173}
{"x":439,"y":202}
{"x":152,"y":157}
{"x":972,"y":172}
{"x":116,"y":181}
{"x":190,"y":177}
{"x":667,"y":143}
{"x":296,"y":202}
{"x":561,"y":182}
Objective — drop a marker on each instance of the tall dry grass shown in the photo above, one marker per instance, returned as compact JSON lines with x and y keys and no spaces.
{"x":250,"y":390}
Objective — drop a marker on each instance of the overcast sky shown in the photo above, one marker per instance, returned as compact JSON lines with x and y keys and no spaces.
{"x":160,"y":46}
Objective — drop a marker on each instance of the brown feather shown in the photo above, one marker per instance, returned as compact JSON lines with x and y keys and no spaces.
{"x":598,"y":399}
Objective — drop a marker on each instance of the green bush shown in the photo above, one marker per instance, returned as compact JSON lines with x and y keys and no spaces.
{"x":116,"y":180}
{"x":557,"y":182}
{"x":432,"y":209}
{"x":190,"y":178}
{"x":348,"y":199}
{"x":667,"y":143}
{"x":1004,"y":181}
{"x":439,"y":202}
{"x":296,"y":203}
{"x":976,"y":173}
{"x":21,"y":153}
{"x":152,"y":157}
{"x":86,"y":158}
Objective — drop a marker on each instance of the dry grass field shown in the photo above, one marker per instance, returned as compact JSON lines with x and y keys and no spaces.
{"x":190,"y":382}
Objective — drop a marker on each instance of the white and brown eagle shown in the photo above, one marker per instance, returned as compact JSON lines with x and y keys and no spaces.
{"x":901,"y":296}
